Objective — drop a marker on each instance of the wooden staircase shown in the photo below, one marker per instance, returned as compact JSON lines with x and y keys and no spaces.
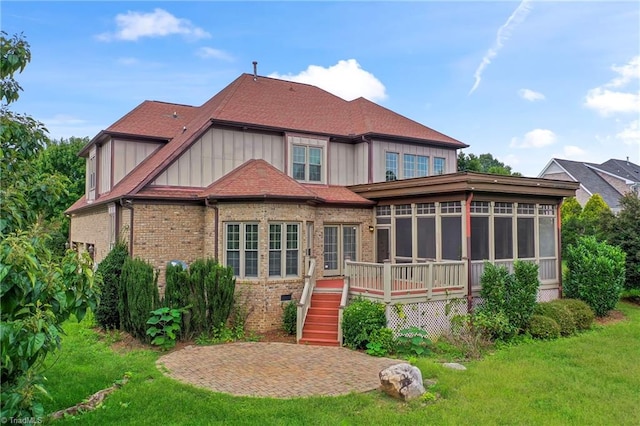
{"x":321,"y":325}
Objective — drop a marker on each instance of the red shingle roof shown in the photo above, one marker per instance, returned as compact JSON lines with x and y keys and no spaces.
{"x":264,"y":102}
{"x":154,"y":119}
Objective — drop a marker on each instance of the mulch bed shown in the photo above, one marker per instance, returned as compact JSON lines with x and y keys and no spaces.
{"x":612,"y":317}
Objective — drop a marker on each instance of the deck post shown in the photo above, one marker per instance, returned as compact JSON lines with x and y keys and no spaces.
{"x":386,"y":277}
{"x":430,"y":281}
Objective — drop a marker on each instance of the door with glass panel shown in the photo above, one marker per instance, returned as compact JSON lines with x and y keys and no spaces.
{"x":340,"y":243}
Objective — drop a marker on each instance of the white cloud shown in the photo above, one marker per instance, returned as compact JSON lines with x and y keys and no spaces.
{"x":630,"y":135}
{"x":503,"y":34}
{"x":134,"y":25}
{"x":345,"y":79}
{"x":530,"y":95}
{"x":626,"y":73}
{"x":210,"y":52}
{"x":537,"y":138}
{"x":572,"y":151}
{"x":607,"y":102}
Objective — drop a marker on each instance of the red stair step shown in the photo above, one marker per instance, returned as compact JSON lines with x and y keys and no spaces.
{"x":319,"y":342}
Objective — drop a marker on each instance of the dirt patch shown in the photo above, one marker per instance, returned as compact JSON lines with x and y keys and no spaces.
{"x":612,"y":317}
{"x":279,"y":336}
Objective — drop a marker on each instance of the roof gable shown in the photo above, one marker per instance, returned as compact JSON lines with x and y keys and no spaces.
{"x":256,"y":178}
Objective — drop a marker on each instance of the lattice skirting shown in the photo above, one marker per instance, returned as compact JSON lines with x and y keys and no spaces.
{"x":547,"y":295}
{"x":430,"y":316}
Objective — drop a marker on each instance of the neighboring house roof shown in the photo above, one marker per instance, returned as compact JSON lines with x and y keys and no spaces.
{"x":622,"y":168}
{"x":589,"y":179}
{"x":260,"y":102}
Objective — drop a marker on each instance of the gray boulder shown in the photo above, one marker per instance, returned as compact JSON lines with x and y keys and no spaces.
{"x":454,"y":366}
{"x":402,"y":381}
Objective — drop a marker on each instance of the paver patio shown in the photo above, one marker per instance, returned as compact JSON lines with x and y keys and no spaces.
{"x":275,"y":370}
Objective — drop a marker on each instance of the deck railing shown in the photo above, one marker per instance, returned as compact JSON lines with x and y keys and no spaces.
{"x":305,"y":299}
{"x":401,"y":280}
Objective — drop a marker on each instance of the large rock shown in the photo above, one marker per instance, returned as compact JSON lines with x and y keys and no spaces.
{"x":402,"y":381}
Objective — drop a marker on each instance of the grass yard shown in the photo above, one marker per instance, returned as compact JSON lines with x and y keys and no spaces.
{"x":590,"y":379}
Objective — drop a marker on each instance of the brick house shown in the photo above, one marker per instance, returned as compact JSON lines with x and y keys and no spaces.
{"x":284,"y":182}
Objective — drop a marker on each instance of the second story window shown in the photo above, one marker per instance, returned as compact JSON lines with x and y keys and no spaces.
{"x":92,"y":169}
{"x":391,"y":166}
{"x":307,"y":163}
{"x":415,"y":166}
{"x":439,"y":166}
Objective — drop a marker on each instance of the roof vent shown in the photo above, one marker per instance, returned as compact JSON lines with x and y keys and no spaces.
{"x":175,"y":114}
{"x":255,"y":70}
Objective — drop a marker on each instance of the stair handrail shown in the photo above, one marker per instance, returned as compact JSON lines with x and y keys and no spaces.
{"x":344,"y":298}
{"x":305,"y":299}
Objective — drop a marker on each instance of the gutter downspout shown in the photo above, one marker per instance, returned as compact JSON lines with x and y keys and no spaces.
{"x":216,"y":227}
{"x":128,"y":204}
{"x":468,"y":238}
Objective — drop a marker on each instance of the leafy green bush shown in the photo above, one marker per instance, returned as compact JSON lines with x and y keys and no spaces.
{"x":110,"y":269}
{"x":381,"y":342}
{"x":176,"y":291}
{"x":290,"y":317}
{"x":138,"y":296}
{"x":508,"y":299}
{"x":165,"y":325}
{"x":543,"y":327}
{"x":359,"y":320}
{"x":596,"y":274}
{"x":414,"y":341}
{"x":493,"y":325}
{"x":560,"y":314}
{"x":583,"y":315}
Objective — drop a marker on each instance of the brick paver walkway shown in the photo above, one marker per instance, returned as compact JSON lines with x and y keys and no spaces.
{"x":277,"y":370}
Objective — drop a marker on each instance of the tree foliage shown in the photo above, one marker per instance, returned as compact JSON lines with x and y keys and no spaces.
{"x":38,"y":291}
{"x":484,"y":163}
{"x":110,"y":269}
{"x":625,"y":233}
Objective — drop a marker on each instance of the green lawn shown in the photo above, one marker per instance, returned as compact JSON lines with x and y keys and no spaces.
{"x":590,"y":379}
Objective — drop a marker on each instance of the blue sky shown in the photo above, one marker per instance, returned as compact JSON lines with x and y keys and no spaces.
{"x":525,"y":81}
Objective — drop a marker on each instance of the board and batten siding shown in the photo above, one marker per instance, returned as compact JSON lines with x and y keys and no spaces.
{"x":104,"y":179}
{"x":128,"y":154}
{"x":348,"y":163}
{"x":217,"y":153}
{"x":380,"y":148}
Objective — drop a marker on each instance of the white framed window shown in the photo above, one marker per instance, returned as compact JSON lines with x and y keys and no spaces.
{"x":241,"y":248}
{"x":391,"y":161}
{"x":284,"y":249}
{"x":439,"y":166}
{"x":307,"y":163}
{"x":415,"y":165}
{"x":92,"y":169}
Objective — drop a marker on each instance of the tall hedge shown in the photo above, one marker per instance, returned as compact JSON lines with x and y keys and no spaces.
{"x":107,"y":314}
{"x":626,"y":234}
{"x":596,"y":274}
{"x":512,"y":295}
{"x":206,"y":292}
{"x":138,"y":296}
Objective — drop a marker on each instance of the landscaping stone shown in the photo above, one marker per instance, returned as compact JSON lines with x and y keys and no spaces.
{"x":454,"y":366}
{"x":402,"y":381}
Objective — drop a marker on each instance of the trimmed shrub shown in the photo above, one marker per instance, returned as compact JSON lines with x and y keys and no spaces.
{"x":107,"y":314}
{"x":290,"y":317}
{"x":509,"y":299}
{"x":138,"y":296}
{"x":359,"y":320}
{"x":596,"y":274}
{"x":560,"y":314}
{"x":221,"y":285}
{"x":543,"y":327}
{"x":583,"y":315}
{"x":521,"y":293}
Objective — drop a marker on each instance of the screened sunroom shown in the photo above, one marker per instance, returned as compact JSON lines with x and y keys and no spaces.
{"x":434,"y":234}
